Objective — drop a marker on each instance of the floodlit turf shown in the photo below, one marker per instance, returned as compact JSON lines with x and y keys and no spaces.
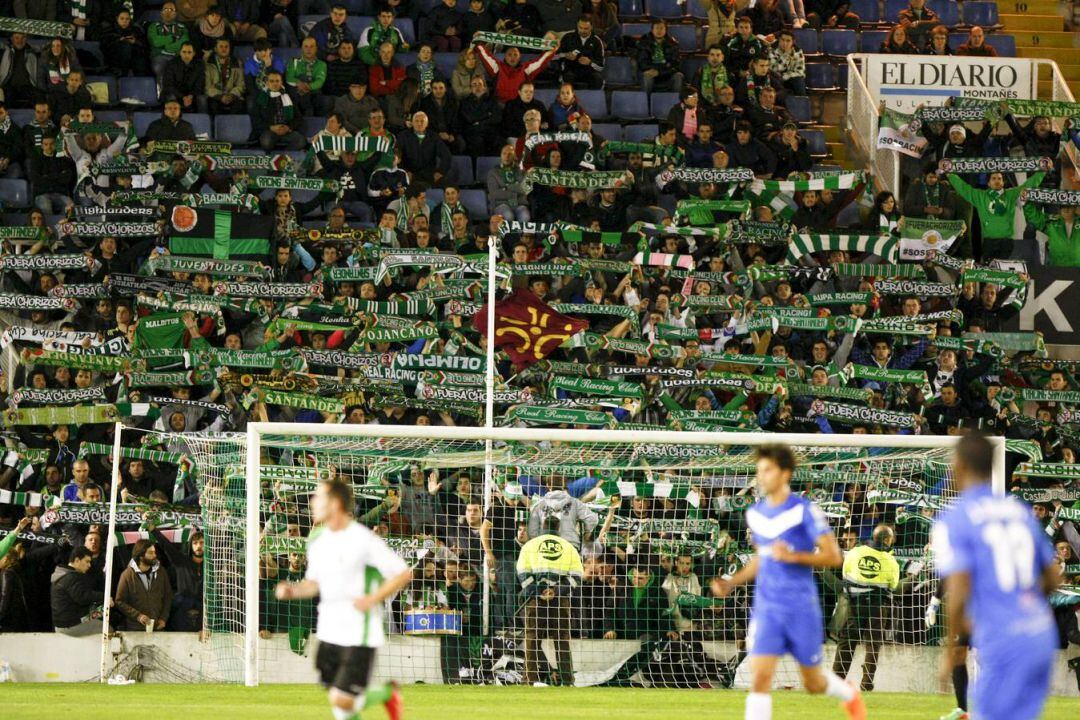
{"x":303,"y":702}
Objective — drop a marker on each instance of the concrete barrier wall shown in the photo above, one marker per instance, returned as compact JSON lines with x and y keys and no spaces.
{"x":48,"y":657}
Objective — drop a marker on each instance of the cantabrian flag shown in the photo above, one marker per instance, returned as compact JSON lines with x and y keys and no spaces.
{"x":527,"y":328}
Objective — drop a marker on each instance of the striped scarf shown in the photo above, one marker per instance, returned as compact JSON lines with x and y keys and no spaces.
{"x":884,"y":246}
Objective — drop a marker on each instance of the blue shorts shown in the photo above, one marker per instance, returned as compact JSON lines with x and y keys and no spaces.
{"x":797,"y":632}
{"x":1013,"y":679}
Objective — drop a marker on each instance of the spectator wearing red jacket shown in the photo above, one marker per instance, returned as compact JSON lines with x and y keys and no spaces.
{"x":511,"y":73}
{"x":387,"y":74}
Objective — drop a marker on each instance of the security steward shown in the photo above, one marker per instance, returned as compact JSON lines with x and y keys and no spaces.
{"x":548,"y":568}
{"x":871,"y":576}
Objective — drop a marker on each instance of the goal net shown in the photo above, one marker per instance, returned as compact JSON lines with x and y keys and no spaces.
{"x":655,"y":517}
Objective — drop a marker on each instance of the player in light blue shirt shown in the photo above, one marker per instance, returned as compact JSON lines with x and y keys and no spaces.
{"x":792,"y":537}
{"x":998,"y":568}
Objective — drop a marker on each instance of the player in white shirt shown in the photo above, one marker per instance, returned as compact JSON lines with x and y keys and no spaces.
{"x":353,"y":572}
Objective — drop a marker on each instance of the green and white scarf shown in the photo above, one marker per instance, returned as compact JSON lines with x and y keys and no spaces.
{"x":269,"y":289}
{"x":302,"y":400}
{"x":1039,"y":196}
{"x":829,"y":391}
{"x":12,"y":301}
{"x":575,"y":179}
{"x":559,"y":137}
{"x":722,"y":176}
{"x":862,"y":415}
{"x":109,"y":229}
{"x":885,"y":246}
{"x":533,"y":415}
{"x":38,"y":28}
{"x":188,"y":148}
{"x":206,"y":266}
{"x":61,"y":396}
{"x":841,"y":181}
{"x":596,"y":386}
{"x":290,"y":182}
{"x":72,"y":261}
{"x":913,"y":287}
{"x":879,"y":270}
{"x":880,"y":374}
{"x":992,"y":165}
{"x":519,"y":41}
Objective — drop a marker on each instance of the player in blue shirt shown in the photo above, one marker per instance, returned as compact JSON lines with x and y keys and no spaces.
{"x":792,"y":537}
{"x":998,"y":568}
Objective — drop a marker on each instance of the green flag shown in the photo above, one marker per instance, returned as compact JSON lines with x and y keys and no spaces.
{"x":220,"y":234}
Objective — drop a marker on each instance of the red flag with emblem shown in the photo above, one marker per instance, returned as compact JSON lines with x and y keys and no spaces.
{"x":527,"y":328}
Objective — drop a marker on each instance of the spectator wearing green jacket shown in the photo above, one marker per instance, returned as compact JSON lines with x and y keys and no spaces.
{"x":381,"y":31}
{"x":644,"y":614}
{"x":996,"y":207}
{"x":305,"y":75}
{"x":1062,"y":232}
{"x":165,"y":37}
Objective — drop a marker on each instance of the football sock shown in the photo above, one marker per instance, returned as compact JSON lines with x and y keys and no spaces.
{"x":358,"y":704}
{"x":759,"y":706}
{"x":960,"y":683}
{"x":378,"y":694}
{"x":837,"y":688}
{"x":341,"y":713}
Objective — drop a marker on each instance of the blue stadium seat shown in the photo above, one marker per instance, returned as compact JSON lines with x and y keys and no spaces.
{"x":640,"y":133}
{"x":546,"y":95}
{"x":475,"y":201}
{"x":408,"y":58}
{"x":608,"y":131}
{"x":807,"y":40}
{"x":839,"y":43}
{"x":485,"y":164}
{"x":200,"y":122}
{"x":842,"y":76}
{"x":286,"y":54}
{"x":143,"y":120}
{"x":143,"y":89}
{"x":306,"y":21}
{"x":232,"y":128}
{"x":688,"y":37}
{"x":892,"y":10}
{"x":21,"y":116}
{"x":667,"y":9}
{"x":869,"y":11}
{"x":462,"y":170}
{"x":359,"y":7}
{"x":871,"y":40}
{"x":356,"y":23}
{"x":629,"y":105}
{"x":820,"y":76}
{"x":594,"y":102}
{"x":661,"y":103}
{"x":949,"y":12}
{"x":634,"y":29}
{"x":981,"y":13}
{"x":93,"y":48}
{"x":312,"y":125}
{"x":815,"y":141}
{"x":446,"y":62}
{"x":110,"y":83}
{"x":407,"y":31}
{"x":106,"y":115}
{"x":1004,"y":44}
{"x":618,"y":70}
{"x":630,"y":8}
{"x":433,"y":196}
{"x":695,"y":9}
{"x":14,"y":192}
{"x":958,"y":39}
{"x":690,"y":66}
{"x":799,"y":107}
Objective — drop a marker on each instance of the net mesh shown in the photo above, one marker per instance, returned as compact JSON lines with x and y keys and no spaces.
{"x":653,"y":523}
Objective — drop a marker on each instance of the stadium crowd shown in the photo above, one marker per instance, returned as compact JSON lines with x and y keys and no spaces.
{"x":302,"y":235}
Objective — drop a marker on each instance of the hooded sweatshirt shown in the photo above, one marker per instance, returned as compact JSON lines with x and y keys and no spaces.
{"x":148,"y":593}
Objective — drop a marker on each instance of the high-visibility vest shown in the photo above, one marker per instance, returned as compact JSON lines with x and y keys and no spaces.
{"x":868,"y":567}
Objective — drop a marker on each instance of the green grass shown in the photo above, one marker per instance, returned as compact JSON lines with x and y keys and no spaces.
{"x":432,"y":702}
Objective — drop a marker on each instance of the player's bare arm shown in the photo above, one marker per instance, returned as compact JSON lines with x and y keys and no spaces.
{"x":387,"y":589}
{"x":722,"y":588}
{"x":826,"y":555}
{"x":303,"y":590}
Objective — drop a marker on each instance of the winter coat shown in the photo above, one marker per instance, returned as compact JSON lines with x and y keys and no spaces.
{"x":140,"y":593}
{"x":72,"y":596}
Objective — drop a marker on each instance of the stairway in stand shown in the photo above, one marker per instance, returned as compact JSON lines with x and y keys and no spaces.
{"x":1039,"y":29}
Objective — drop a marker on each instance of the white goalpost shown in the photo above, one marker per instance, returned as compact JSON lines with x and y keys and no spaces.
{"x":654,"y":497}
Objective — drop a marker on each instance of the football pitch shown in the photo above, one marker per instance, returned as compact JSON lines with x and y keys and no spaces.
{"x":432,"y":702}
